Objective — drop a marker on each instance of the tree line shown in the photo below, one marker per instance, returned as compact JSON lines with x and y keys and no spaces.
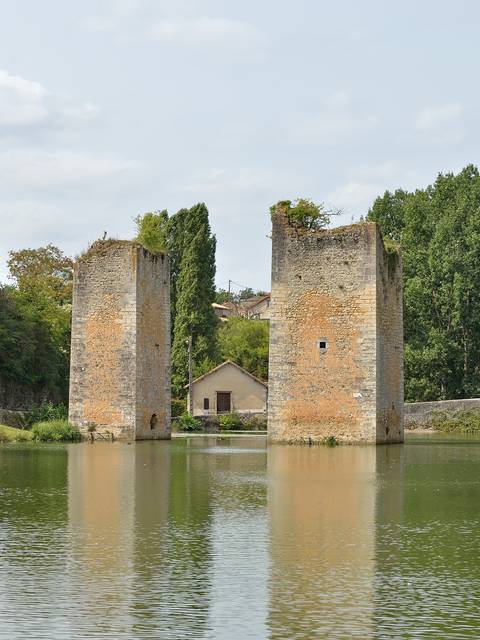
{"x":35,"y":310}
{"x":437,"y":228}
{"x":35,"y":315}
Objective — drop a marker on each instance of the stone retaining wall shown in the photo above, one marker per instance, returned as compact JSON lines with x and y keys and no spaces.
{"x":12,"y":418}
{"x":416,"y":413}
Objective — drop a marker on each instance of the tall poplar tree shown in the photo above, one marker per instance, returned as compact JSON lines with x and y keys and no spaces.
{"x":191,"y":246}
{"x":194,"y":291}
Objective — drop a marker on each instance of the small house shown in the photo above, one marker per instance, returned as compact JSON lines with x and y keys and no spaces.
{"x":222,"y":311}
{"x":259,"y":309}
{"x":228,"y":388}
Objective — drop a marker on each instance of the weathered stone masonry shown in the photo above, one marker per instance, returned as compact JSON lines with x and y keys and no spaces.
{"x":120,"y":360}
{"x":336,"y":336}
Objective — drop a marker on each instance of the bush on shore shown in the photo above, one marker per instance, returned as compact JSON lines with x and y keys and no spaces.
{"x":55,"y":431}
{"x":179,"y":407}
{"x":188,"y":423}
{"x":465,"y":421}
{"x":46,"y":412}
{"x":12,"y":434}
{"x":230,"y":421}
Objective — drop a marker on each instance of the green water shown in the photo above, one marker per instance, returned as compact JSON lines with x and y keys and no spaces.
{"x":209,"y":537}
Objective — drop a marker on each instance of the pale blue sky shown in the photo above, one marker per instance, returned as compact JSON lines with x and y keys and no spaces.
{"x":116,"y":107}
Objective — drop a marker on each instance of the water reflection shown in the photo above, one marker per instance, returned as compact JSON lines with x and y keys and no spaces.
{"x":322,"y":540}
{"x":101,"y":483}
{"x":427,"y":581}
{"x":213,"y":538}
{"x":33,"y":540}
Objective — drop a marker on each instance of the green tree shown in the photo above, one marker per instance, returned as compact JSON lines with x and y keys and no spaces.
{"x":194,"y":292}
{"x":42,"y":296}
{"x":191,"y":246}
{"x":246,"y":343}
{"x":45,"y":270}
{"x":246,"y":293}
{"x":222,"y":295}
{"x":152,"y":230}
{"x":439,"y":232}
{"x":178,"y":233}
{"x":29,"y":357}
{"x":304,"y":213}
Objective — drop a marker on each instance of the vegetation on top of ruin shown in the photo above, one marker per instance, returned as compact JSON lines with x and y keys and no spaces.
{"x":304,"y":213}
{"x":391,"y":247}
{"x":152,"y":231}
{"x":99,"y":246}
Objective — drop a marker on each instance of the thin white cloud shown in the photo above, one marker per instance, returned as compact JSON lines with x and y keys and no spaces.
{"x":354,"y":197}
{"x":433,"y":117}
{"x":27,"y":103}
{"x":26,"y":89}
{"x":221,"y":181}
{"x":101,"y":24}
{"x":34,"y":169}
{"x":22,"y":102}
{"x":336,"y":120}
{"x":205,"y":31}
{"x":442,"y":124}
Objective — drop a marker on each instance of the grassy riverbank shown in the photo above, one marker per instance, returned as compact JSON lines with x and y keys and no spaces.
{"x":11,"y":434}
{"x":465,"y":421}
{"x":49,"y":431}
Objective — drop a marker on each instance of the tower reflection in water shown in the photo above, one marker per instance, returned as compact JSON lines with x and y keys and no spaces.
{"x":216,"y":538}
{"x":323,"y":507}
{"x":139,"y":520}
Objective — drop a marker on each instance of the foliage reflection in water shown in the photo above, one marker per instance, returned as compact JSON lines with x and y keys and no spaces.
{"x":208,"y":537}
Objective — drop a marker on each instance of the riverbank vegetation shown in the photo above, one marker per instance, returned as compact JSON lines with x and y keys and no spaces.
{"x":465,"y":421}
{"x":48,"y":431}
{"x":219,"y":423}
{"x":12,"y":434}
{"x":55,"y":431}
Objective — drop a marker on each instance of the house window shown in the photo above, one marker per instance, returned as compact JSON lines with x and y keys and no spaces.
{"x":322,"y":345}
{"x":153,"y":421}
{"x":206,"y":404}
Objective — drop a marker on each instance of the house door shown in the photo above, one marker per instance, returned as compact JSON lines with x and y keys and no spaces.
{"x":223,"y":401}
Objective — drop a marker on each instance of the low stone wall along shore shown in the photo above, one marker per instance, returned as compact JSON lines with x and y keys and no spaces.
{"x":417,"y":413}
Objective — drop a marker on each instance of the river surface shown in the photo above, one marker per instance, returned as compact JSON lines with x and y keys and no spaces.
{"x":213,"y":537}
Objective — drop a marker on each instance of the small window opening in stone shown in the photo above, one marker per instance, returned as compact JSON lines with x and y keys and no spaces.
{"x":153,"y":421}
{"x":206,"y":403}
{"x":322,"y":344}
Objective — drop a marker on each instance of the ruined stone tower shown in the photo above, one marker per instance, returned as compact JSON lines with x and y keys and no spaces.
{"x":120,"y":360}
{"x":336,"y":335}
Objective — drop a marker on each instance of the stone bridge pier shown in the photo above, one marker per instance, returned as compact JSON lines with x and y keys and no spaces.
{"x":120,"y":357}
{"x":336,"y":335}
